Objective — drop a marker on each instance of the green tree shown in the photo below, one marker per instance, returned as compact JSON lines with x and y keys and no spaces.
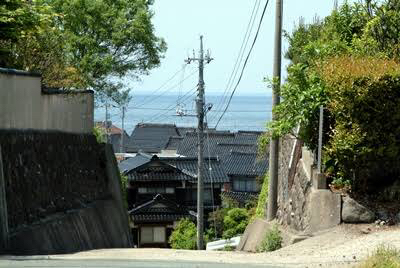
{"x":184,"y":235}
{"x":80,"y":43}
{"x":235,"y":222}
{"x":347,"y":62}
{"x":109,"y":38}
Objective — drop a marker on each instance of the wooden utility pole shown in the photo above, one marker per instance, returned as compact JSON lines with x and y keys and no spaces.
{"x":200,"y":101}
{"x":274,"y":143}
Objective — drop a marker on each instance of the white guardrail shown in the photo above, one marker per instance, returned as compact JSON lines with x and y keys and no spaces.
{"x":221,"y":244}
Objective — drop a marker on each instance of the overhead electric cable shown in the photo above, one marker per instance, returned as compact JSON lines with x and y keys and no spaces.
{"x":164,"y":84}
{"x":165,"y":91}
{"x":239,"y":58}
{"x":171,"y":107}
{"x":244,"y":65}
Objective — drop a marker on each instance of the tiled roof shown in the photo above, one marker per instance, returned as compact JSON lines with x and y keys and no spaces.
{"x":237,"y":151}
{"x":151,"y":137}
{"x":159,"y":209}
{"x":241,"y":197}
{"x":171,"y":168}
{"x":218,"y":143}
{"x":188,"y":165}
{"x":158,"y":176}
{"x":245,"y":164}
{"x":182,"y":130}
{"x":133,"y":162}
{"x":173,"y":142}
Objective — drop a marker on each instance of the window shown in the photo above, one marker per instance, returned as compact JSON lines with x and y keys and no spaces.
{"x":245,"y":185}
{"x":146,"y":234}
{"x":169,"y":190}
{"x":142,"y":190}
{"x":206,"y":196}
{"x":159,"y":234}
{"x":152,"y":235}
{"x":156,"y":190}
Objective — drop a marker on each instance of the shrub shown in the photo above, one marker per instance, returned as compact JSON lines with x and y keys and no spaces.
{"x":216,"y":221}
{"x":100,"y":134}
{"x":124,"y":192}
{"x":364,"y":100}
{"x":262,"y":199}
{"x":272,"y":240}
{"x":229,"y":248}
{"x":235,"y":222}
{"x":384,"y":257}
{"x":184,"y":235}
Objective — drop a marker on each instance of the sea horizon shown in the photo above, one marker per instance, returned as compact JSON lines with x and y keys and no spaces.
{"x":245,"y":112}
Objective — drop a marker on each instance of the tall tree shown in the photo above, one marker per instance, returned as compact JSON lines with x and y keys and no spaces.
{"x":80,"y":43}
{"x":109,"y":38}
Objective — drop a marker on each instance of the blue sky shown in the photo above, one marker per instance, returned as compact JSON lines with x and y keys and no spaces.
{"x":223,"y":24}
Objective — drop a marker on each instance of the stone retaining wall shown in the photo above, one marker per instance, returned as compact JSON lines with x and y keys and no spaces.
{"x":63,"y":193}
{"x":50,"y":172}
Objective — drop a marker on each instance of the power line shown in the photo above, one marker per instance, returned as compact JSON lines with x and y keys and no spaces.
{"x":164,"y":84}
{"x":240,"y":55}
{"x":167,"y":114}
{"x":165,"y":91}
{"x":192,"y":110}
{"x":245,"y":64}
{"x":171,"y":107}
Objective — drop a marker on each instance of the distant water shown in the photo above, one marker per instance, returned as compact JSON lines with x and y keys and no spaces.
{"x":244,"y":113}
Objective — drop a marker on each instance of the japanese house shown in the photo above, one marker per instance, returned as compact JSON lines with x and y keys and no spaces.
{"x":162,"y":190}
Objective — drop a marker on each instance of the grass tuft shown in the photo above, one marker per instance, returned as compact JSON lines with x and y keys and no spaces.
{"x":383,"y":257}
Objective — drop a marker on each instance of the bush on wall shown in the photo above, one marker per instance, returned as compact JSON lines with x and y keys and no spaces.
{"x":364,"y":100}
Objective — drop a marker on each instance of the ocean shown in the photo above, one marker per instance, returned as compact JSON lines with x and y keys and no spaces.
{"x":249,"y":112}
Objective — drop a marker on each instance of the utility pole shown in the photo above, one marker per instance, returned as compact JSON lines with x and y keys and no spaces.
{"x":123,"y":131}
{"x":200,"y":101}
{"x":274,"y":143}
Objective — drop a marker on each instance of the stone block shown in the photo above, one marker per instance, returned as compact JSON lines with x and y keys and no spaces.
{"x":354,"y":212}
{"x":254,"y":235}
{"x":324,"y":211}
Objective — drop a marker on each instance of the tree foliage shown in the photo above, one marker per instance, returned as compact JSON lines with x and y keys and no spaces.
{"x":348,"y":63}
{"x":235,"y":222}
{"x":80,"y":43}
{"x":262,"y":199}
{"x":184,"y":235}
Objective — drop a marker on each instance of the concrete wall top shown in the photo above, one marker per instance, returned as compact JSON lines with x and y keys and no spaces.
{"x":24,"y":105}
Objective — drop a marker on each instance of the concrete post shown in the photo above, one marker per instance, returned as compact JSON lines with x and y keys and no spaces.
{"x":3,"y":210}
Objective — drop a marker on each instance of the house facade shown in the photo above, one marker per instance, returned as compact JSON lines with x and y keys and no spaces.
{"x":163,"y":190}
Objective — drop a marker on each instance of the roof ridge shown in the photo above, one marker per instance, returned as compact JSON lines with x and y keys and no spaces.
{"x":241,"y":153}
{"x":155,"y":125}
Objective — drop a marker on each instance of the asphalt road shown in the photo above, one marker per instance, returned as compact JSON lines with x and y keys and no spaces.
{"x":43,"y":263}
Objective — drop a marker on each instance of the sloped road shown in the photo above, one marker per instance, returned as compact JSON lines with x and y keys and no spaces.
{"x":342,"y":246}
